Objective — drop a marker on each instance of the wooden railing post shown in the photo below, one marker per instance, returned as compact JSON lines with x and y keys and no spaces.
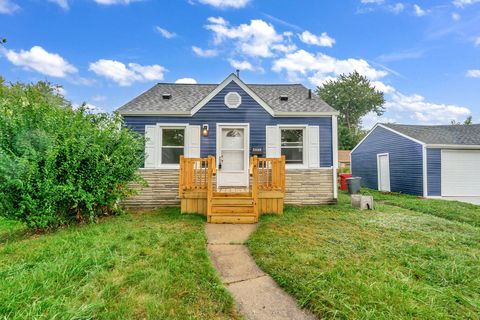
{"x":282,"y":174}
{"x":255,"y":186}
{"x":181,"y":177}
{"x":211,"y":172}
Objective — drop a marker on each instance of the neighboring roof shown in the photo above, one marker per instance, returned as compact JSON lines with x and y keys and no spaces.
{"x":440,"y":135}
{"x":184,"y":98}
{"x":343,"y":155}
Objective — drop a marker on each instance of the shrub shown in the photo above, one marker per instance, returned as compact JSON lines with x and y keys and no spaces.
{"x":58,"y":164}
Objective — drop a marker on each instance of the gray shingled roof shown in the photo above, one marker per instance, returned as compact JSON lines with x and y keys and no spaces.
{"x":445,"y":134}
{"x":185,"y":96}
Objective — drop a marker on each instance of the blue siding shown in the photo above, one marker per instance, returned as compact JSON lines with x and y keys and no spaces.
{"x":434,"y":172}
{"x":248,"y":112}
{"x":406,"y":165}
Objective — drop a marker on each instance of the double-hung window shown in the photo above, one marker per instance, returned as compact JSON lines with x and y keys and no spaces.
{"x":292,"y":145}
{"x":173,"y":145}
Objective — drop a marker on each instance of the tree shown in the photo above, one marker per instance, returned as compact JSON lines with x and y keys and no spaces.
{"x":59,"y":164}
{"x":353,"y":96}
{"x":467,"y":121}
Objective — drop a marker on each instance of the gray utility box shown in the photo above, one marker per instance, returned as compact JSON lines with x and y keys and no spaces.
{"x":353,"y":185}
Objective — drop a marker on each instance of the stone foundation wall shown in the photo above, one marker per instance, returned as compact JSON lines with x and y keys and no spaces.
{"x":162,"y":190}
{"x":309,"y":186}
{"x":303,"y":187}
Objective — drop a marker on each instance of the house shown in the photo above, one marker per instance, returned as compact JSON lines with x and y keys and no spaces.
{"x":233,"y":121}
{"x":343,"y":158}
{"x":428,"y":161}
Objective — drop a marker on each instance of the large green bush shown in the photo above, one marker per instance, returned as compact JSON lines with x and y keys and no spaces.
{"x":58,"y":164}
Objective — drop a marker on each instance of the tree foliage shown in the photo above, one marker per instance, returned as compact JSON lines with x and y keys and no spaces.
{"x":58,"y":164}
{"x":468,"y":121}
{"x":353,"y":96}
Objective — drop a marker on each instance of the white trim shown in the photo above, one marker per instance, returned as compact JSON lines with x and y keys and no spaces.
{"x":425,"y":169}
{"x":335,"y":155}
{"x":241,"y":84}
{"x":154,"y":113}
{"x":453,"y":146}
{"x":306,"y":114}
{"x":387,"y":128}
{"x":246,"y":152}
{"x":160,"y":127}
{"x":306,"y":143}
{"x":238,"y":96}
{"x":378,"y":171}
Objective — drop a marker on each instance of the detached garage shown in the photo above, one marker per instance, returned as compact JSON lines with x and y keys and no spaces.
{"x":433,"y":161}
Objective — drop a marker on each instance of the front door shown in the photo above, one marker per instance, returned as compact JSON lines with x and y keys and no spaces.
{"x":383,"y":163}
{"x":232,"y":155}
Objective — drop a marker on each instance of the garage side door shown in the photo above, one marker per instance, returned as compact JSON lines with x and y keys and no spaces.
{"x":460,"y":173}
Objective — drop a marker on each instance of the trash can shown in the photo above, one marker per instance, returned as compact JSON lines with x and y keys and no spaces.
{"x":353,"y":185}
{"x":343,"y":180}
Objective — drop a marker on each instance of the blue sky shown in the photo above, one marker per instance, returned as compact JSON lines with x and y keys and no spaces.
{"x":425,"y":55}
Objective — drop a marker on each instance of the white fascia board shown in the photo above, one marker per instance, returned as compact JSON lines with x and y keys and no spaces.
{"x":305,"y":114}
{"x":154,"y":113}
{"x":241,"y":84}
{"x":335,"y":155}
{"x":425,"y":169}
{"x":452,"y":146}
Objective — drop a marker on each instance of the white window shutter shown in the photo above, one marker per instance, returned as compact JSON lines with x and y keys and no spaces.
{"x":193,"y":141}
{"x":313,"y":146}
{"x":272,"y":141}
{"x":150,"y":146}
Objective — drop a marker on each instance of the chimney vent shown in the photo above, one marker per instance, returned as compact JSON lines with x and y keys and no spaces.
{"x":309,"y":93}
{"x":238,"y":73}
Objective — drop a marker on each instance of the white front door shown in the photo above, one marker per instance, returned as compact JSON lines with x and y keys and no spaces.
{"x":383,"y":171}
{"x":232,"y":155}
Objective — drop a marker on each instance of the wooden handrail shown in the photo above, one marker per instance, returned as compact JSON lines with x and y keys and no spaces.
{"x":254,"y":172}
{"x":211,"y":173}
{"x":270,"y":173}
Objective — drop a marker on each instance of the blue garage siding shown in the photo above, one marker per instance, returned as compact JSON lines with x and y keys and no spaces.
{"x":248,"y":112}
{"x":434,"y":172}
{"x":406,"y":165}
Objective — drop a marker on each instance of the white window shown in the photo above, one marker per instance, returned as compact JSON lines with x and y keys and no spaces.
{"x":292,"y":145}
{"x":173,"y":145}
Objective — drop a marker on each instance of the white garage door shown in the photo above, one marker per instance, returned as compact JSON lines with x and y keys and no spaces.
{"x":460,"y":173}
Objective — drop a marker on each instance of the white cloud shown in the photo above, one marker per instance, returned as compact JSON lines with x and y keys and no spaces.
{"x":186,"y":81}
{"x":256,"y":39}
{"x":456,"y":16}
{"x":477,"y":41}
{"x":474,"y":73}
{"x":372,"y":1}
{"x":323,"y":40}
{"x":125,"y":75}
{"x":464,"y":3}
{"x":38,"y":59}
{"x":236,"y":4}
{"x":165,"y":33}
{"x":380,"y":86}
{"x":8,"y":7}
{"x":418,"y":11}
{"x":321,"y":67}
{"x":396,"y":8}
{"x":62,"y":3}
{"x":241,"y":65}
{"x":98,"y":98}
{"x":204,"y":53}
{"x":425,"y":112}
{"x":112,"y":2}
{"x":371,"y":119}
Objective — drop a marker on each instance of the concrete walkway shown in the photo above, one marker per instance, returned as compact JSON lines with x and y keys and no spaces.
{"x":256,"y":294}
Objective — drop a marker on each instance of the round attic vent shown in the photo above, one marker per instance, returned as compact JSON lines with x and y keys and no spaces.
{"x":233,"y":100}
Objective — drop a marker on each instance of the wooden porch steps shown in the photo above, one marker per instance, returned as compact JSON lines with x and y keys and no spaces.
{"x":232,"y":208}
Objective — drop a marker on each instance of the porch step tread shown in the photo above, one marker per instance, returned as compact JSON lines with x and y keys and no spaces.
{"x":232,"y":195}
{"x":232,"y":210}
{"x":232,"y":219}
{"x":237,"y":201}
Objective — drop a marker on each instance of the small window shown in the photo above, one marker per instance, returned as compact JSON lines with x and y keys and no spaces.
{"x":173,"y":145}
{"x":292,"y":145}
{"x":233,"y":100}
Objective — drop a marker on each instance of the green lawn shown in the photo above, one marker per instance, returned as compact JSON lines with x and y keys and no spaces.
{"x":390,"y":263}
{"x":137,"y":266}
{"x":451,"y":210}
